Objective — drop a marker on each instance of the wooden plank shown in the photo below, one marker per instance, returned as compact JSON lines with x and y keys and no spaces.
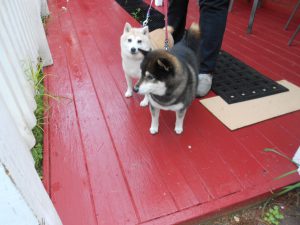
{"x":291,"y":123}
{"x":223,"y":205}
{"x":114,"y":198}
{"x":273,"y":164}
{"x":68,"y":176}
{"x":53,"y":37}
{"x":216,"y":174}
{"x":137,"y":162}
{"x":279,"y":137}
{"x":242,"y":163}
{"x":263,"y":40}
{"x":265,"y":15}
{"x":68,"y":172}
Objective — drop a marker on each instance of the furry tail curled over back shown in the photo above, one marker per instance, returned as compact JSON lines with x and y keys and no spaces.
{"x":192,"y":37}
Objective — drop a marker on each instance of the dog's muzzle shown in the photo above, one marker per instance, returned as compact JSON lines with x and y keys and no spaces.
{"x":133,"y":50}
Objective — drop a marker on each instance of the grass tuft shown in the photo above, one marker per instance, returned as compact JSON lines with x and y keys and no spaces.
{"x":37,"y":77}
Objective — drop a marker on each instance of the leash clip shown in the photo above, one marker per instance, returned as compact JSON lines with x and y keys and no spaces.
{"x":166,"y":45}
{"x":145,"y":23}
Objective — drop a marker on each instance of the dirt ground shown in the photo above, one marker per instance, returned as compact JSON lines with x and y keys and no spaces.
{"x":288,"y":206}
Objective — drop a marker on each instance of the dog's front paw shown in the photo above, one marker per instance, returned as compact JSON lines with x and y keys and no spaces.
{"x":153,"y":130}
{"x":128,"y":93}
{"x":145,"y":102}
{"x":178,"y":130}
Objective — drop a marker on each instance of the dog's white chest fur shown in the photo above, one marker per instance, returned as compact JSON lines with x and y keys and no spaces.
{"x":175,"y":107}
{"x":132,"y":67}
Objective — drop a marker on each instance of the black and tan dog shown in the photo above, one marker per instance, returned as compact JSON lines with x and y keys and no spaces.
{"x":169,"y":78}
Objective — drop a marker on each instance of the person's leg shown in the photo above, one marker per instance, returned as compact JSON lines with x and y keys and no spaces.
{"x":213,"y":17}
{"x":177,"y":11}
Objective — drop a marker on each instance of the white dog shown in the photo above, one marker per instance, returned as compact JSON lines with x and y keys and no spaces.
{"x":131,"y":40}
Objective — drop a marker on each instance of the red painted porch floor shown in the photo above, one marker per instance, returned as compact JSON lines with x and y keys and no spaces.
{"x":101,"y":164}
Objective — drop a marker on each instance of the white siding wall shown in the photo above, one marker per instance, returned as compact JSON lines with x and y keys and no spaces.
{"x":22,"y":41}
{"x":13,"y":208}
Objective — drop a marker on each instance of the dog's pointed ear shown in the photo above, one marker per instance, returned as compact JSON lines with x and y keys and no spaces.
{"x":144,"y":52}
{"x":145,"y":30}
{"x":164,"y":64}
{"x":127,"y":27}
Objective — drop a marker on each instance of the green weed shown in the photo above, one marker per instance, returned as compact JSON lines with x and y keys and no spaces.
{"x":136,"y":14}
{"x":273,"y":216}
{"x":44,"y":19}
{"x":36,"y":76}
{"x":284,"y":190}
{"x":290,"y":187}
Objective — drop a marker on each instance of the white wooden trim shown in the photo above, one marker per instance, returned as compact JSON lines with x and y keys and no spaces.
{"x":19,"y":165}
{"x":44,"y":8}
{"x":23,"y":199}
{"x":13,"y":208}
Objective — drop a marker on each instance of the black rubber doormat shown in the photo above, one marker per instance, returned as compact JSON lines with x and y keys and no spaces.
{"x":234,"y":81}
{"x":138,"y":10}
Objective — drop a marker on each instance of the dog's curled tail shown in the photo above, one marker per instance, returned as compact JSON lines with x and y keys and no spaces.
{"x":192,"y":37}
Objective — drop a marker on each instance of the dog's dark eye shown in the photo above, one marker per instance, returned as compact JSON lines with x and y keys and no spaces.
{"x":139,"y":41}
{"x":150,"y":77}
{"x":129,"y":40}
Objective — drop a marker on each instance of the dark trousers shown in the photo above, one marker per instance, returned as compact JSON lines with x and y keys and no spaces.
{"x":213,"y":16}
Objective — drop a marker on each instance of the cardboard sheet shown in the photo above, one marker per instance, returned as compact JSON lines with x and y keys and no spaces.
{"x":242,"y":114}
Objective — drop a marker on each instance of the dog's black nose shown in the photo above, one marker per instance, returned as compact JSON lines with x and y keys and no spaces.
{"x":133,"y":50}
{"x":136,"y":89}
